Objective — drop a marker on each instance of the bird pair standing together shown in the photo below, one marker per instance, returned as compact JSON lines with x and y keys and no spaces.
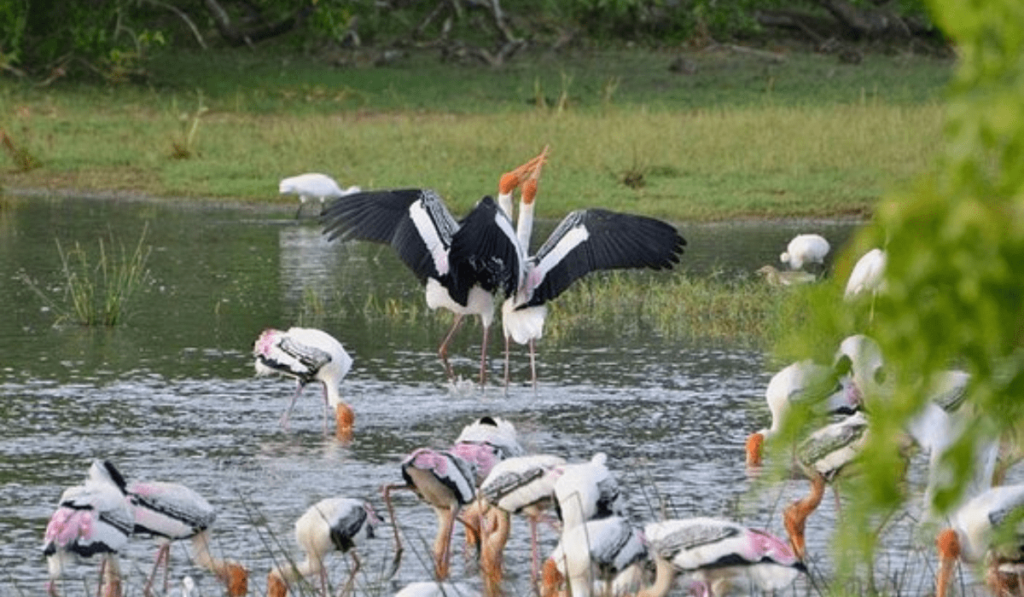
{"x":463,"y":264}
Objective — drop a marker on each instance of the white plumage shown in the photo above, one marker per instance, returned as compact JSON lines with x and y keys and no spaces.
{"x":313,"y":185}
{"x":594,"y":555}
{"x":805,"y":248}
{"x":307,"y":355}
{"x":332,"y":524}
{"x":979,"y":532}
{"x":803,"y":380}
{"x":437,"y":589}
{"x":91,"y":519}
{"x":868,"y":275}
{"x":717,"y":552}
{"x":587,"y":491}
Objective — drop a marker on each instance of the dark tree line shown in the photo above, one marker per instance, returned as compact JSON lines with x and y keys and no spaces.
{"x":112,"y":39}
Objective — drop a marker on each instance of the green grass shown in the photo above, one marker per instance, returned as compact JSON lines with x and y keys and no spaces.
{"x":741,"y":137}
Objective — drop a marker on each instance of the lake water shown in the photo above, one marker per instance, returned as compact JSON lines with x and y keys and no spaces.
{"x":172,"y":395}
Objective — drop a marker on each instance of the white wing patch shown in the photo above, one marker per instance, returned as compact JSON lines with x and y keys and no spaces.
{"x":572,"y":239}
{"x":425,"y":226}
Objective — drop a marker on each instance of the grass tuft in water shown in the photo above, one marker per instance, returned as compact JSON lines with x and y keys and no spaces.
{"x":97,"y":289}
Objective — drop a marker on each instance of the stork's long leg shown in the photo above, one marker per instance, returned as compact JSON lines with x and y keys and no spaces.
{"x":506,"y":363}
{"x":394,"y":524}
{"x":483,"y":356}
{"x":291,"y":405}
{"x":442,"y":351}
{"x":533,"y":364}
{"x":352,"y":576}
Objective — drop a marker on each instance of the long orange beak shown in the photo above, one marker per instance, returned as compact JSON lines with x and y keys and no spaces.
{"x":511,"y":180}
{"x":344,"y":420}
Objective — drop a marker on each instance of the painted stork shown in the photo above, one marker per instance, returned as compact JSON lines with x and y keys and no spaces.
{"x":823,"y":455}
{"x":308,"y":355}
{"x":587,"y":491}
{"x":332,"y":524}
{"x":868,"y":276}
{"x":801,"y":381}
{"x":805,"y":248}
{"x":447,"y":483}
{"x":418,"y":225}
{"x":596,"y":555}
{"x":585,"y":241}
{"x":485,"y":442}
{"x":168,"y":512}
{"x":91,"y":519}
{"x":715,"y":553}
{"x":313,"y":185}
{"x":987,"y":528}
{"x":522,"y":484}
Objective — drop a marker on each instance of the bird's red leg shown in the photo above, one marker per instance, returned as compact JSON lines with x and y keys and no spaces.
{"x":533,"y":364}
{"x":394,"y":524}
{"x":442,"y":351}
{"x":506,"y":363}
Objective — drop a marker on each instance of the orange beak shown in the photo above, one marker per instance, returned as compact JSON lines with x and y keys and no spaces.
{"x":755,"y":443}
{"x":511,"y":180}
{"x":344,"y":419}
{"x":276,"y":586}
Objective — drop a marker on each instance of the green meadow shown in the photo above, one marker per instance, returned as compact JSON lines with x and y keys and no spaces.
{"x":776,"y":134}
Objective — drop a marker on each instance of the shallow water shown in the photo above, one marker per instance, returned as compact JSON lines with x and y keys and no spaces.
{"x":172,"y":396}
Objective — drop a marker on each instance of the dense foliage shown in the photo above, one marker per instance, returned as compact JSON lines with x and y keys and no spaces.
{"x":112,"y":39}
{"x":955,"y":273}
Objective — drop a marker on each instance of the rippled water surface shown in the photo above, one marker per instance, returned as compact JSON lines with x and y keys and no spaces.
{"x":172,"y":396}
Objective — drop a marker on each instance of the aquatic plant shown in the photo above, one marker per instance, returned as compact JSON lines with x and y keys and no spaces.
{"x":97,"y":289}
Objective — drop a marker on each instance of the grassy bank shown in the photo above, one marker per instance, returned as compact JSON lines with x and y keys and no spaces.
{"x":740,"y":136}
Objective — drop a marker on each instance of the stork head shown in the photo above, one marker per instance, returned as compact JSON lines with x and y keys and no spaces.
{"x":236,"y":577}
{"x":275,"y":585}
{"x":551,"y":578}
{"x":755,"y":449}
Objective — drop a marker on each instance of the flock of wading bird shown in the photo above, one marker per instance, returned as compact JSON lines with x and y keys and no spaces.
{"x":485,"y":477}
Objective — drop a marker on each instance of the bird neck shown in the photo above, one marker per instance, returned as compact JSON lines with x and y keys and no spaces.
{"x":524,"y":226}
{"x":665,"y":575}
{"x":332,"y":392}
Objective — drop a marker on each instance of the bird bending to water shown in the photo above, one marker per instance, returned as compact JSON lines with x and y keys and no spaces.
{"x":716,"y":553}
{"x":805,"y":248}
{"x":598,"y":554}
{"x":801,"y":381}
{"x":587,"y":491}
{"x":418,"y":225}
{"x":585,"y":241}
{"x":169,"y":512}
{"x":823,"y":456}
{"x":978,"y":532}
{"x":313,"y":185}
{"x":447,"y":483}
{"x":332,"y":524}
{"x":308,"y":355}
{"x":522,"y":484}
{"x":92,"y":518}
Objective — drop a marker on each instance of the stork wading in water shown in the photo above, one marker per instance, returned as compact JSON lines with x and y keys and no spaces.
{"x":91,"y":519}
{"x":585,"y":241}
{"x":169,"y":512}
{"x":587,"y":491}
{"x":716,"y":553}
{"x":308,"y":355}
{"x":419,"y":226}
{"x":332,"y":524}
{"x":518,"y":485}
{"x":602,"y":557}
{"x":823,"y":456}
{"x":447,"y":483}
{"x":804,"y":381}
{"x":805,"y":249}
{"x":313,"y":185}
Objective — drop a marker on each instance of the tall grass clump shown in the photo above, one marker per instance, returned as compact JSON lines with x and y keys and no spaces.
{"x":98,"y":288}
{"x":678,"y":307}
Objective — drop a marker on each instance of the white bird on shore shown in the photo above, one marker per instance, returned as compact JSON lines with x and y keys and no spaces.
{"x":803,"y":249}
{"x":313,"y":185}
{"x":308,"y":355}
{"x":332,"y":524}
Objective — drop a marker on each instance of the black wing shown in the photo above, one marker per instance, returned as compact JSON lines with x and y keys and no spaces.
{"x":485,"y":252}
{"x":415,"y":222}
{"x":596,"y":239}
